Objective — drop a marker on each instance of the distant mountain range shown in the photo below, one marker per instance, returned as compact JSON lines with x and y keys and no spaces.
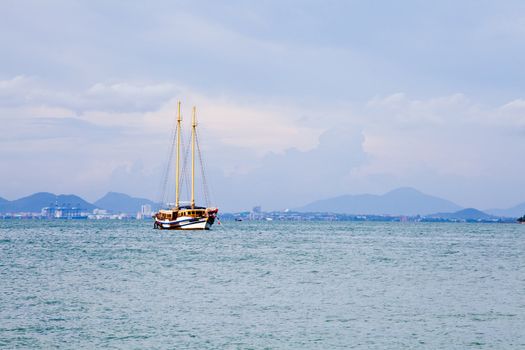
{"x":464,"y":214}
{"x":402,"y":201}
{"x":35,"y":202}
{"x":112,"y":201}
{"x":406,"y":201}
{"x":122,"y":203}
{"x":513,"y":212}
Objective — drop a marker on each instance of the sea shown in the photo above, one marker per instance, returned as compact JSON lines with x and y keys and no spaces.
{"x":261,"y":285}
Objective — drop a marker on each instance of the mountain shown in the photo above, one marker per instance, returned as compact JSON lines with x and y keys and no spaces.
{"x":122,"y":203}
{"x":401,"y":201}
{"x":465,"y":214}
{"x":115,"y":202}
{"x":35,"y":202}
{"x":514,"y":212}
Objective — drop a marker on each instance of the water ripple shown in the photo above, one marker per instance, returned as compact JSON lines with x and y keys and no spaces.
{"x":262,"y":285}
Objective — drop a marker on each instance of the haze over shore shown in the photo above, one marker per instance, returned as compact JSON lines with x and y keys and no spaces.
{"x":401,"y":201}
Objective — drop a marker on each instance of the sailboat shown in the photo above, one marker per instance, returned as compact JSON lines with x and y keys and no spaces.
{"x":185,"y":217}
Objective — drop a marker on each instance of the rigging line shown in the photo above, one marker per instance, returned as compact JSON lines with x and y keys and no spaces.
{"x":162,"y":197}
{"x":206,"y":186}
{"x":205,"y":189}
{"x":184,"y":173}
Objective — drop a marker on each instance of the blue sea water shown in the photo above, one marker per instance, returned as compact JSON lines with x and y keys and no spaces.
{"x":262,"y":285}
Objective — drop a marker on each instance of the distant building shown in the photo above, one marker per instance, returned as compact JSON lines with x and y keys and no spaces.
{"x":65,"y":212}
{"x":144,"y":213}
{"x":100,"y":212}
{"x":256,"y":213}
{"x":145,"y":210}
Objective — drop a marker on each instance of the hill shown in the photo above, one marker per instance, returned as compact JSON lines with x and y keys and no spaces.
{"x":514,"y":212}
{"x":122,"y":203}
{"x":465,"y":214}
{"x":401,"y":201}
{"x":35,"y":202}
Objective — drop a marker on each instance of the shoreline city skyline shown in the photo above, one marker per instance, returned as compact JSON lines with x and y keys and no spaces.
{"x":401,"y":202}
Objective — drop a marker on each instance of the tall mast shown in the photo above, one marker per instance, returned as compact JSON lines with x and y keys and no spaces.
{"x":177,"y":169}
{"x":193,"y":137}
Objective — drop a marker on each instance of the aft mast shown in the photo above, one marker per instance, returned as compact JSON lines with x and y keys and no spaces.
{"x":177,"y":171}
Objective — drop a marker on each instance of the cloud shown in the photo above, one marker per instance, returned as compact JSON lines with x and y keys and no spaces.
{"x":511,"y":114}
{"x":277,"y":87}
{"x":150,"y":108}
{"x":55,"y":128}
{"x":437,"y":143}
{"x":130,"y":97}
{"x":268,"y":149}
{"x":294,"y":177}
{"x":447,"y":146}
{"x":107,"y":132}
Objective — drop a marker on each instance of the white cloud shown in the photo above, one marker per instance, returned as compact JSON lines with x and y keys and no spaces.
{"x":105,"y":136}
{"x":390,"y":141}
{"x":400,"y":111}
{"x":444,"y":141}
{"x":512,"y":114}
{"x":151,"y":108}
{"x":138,"y":97}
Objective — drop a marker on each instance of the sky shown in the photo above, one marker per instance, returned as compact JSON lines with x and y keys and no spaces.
{"x":296,"y":100}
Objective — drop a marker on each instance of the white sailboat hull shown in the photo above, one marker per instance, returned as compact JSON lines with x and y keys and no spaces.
{"x":185,"y":223}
